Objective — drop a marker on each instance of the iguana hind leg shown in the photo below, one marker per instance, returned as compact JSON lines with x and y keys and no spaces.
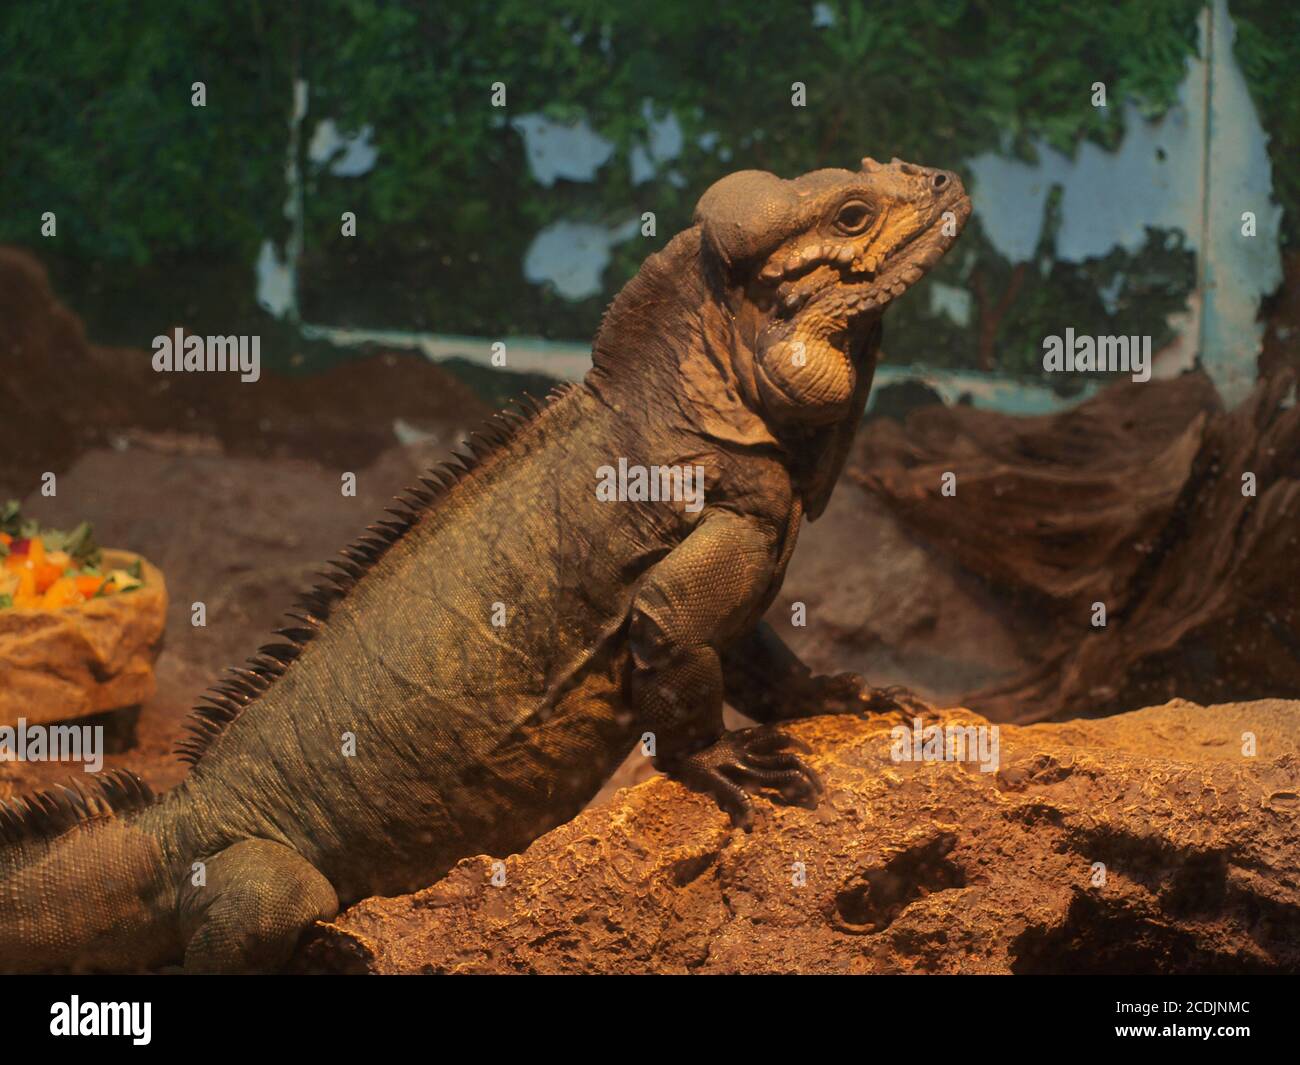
{"x":258,"y":899}
{"x":768,"y":682}
{"x":697,"y":599}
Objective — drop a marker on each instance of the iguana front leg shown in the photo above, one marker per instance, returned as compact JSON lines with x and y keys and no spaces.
{"x":767,"y":681}
{"x":698,"y":599}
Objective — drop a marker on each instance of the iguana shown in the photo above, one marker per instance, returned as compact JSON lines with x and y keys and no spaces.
{"x":483,"y":660}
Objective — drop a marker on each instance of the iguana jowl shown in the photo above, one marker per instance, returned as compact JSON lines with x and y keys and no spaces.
{"x":746,"y":347}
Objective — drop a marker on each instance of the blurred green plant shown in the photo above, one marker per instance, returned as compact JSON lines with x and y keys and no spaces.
{"x":103,"y":133}
{"x":1268,"y":50}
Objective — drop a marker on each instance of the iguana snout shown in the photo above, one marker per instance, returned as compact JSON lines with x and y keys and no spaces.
{"x":823,"y":255}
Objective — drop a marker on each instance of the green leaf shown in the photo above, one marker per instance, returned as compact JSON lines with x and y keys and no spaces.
{"x":9,"y":521}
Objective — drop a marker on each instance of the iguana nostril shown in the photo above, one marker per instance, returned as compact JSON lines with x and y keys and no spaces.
{"x":940,"y":180}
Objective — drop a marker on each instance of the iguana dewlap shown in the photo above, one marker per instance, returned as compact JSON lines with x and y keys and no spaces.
{"x":490,"y":655}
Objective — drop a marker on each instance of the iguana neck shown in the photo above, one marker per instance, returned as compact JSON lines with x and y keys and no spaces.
{"x":678,"y":335}
{"x":641,"y":334}
{"x":671,"y":350}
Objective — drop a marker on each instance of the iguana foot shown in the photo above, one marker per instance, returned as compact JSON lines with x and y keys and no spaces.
{"x":849,"y":693}
{"x":755,"y":757}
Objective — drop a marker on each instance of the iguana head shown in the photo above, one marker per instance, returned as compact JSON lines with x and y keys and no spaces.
{"x":818,"y":258}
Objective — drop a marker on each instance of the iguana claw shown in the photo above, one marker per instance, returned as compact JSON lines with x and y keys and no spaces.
{"x":754,"y":757}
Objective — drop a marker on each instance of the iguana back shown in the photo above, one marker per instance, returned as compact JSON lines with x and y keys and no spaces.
{"x":465,"y":692}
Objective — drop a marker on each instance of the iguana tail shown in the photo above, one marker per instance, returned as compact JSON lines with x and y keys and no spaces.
{"x":82,"y":883}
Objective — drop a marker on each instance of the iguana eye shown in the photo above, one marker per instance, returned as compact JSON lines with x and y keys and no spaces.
{"x":853,"y":217}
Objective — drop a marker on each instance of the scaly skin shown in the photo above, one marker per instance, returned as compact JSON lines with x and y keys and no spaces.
{"x":403,"y":730}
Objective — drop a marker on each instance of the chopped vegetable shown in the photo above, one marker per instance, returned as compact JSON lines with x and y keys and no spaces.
{"x":91,"y":584}
{"x":47,"y":573}
{"x":49,"y":569}
{"x":61,"y":593}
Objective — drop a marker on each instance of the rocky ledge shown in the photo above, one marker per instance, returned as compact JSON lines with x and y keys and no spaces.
{"x":1163,"y":840}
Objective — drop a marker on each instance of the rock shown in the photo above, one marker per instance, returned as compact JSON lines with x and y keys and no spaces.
{"x":85,"y":659}
{"x":1142,"y":843}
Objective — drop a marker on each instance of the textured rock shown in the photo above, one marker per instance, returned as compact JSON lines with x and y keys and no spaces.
{"x":910,"y":867}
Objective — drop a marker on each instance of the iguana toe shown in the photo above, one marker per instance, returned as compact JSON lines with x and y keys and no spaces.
{"x":895,"y":697}
{"x":749,"y":758}
{"x":849,"y":693}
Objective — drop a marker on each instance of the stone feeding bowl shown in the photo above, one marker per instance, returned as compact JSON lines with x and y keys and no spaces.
{"x":83,"y":659}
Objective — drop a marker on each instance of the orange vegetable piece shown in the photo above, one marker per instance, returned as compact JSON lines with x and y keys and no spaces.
{"x":26,"y":585}
{"x":61,"y":593}
{"x":36,"y":551}
{"x":46,"y":574}
{"x":6,"y":539}
{"x":90,"y":584}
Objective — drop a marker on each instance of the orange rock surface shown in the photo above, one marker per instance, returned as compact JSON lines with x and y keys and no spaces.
{"x":1151,"y":841}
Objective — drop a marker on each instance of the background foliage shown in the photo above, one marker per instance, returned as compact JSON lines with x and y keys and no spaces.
{"x":162,"y":206}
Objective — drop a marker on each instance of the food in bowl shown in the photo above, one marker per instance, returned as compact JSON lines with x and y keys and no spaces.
{"x":50,"y":569}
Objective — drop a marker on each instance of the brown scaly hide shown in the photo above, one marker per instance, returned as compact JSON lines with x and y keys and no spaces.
{"x":1134,"y":500}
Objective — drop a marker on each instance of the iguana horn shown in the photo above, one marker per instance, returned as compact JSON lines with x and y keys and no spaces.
{"x":747,"y":214}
